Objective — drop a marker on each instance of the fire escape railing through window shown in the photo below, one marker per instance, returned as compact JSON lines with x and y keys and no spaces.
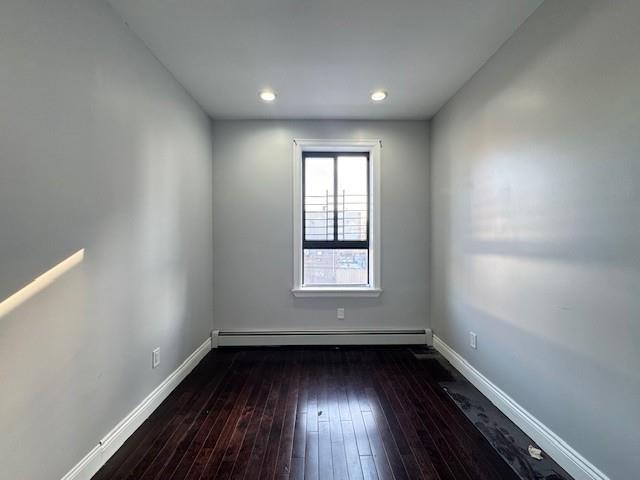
{"x":337,"y":218}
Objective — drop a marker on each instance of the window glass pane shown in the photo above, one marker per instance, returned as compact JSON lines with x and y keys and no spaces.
{"x":318,"y":198}
{"x":336,"y":267}
{"x":353,"y":201}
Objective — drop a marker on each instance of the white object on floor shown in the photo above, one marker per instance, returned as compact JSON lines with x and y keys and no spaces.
{"x":535,"y":452}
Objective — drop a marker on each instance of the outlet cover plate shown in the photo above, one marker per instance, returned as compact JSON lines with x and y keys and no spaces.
{"x":155,"y":358}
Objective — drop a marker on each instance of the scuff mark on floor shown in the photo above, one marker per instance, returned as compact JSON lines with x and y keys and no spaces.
{"x":511,"y":443}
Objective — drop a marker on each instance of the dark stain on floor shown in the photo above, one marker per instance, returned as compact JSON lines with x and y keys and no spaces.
{"x":506,"y":438}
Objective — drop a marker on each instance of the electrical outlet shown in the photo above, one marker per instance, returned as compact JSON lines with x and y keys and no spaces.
{"x":473,"y":340}
{"x":155,"y":358}
{"x":340,"y":314}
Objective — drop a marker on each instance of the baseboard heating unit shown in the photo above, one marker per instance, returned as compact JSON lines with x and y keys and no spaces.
{"x":245,"y":338}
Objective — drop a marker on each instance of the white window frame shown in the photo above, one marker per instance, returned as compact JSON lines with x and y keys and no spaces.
{"x":373,"y":288}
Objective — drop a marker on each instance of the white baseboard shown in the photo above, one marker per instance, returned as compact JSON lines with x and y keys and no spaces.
{"x":245,"y":338}
{"x":566,"y":456}
{"x":98,"y":456}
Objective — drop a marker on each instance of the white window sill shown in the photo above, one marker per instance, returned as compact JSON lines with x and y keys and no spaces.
{"x":336,"y":292}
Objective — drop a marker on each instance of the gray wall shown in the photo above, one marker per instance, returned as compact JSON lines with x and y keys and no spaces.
{"x":252,"y":227}
{"x":99,"y":149}
{"x":536,"y":224}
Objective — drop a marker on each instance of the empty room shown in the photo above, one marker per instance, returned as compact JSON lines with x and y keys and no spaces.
{"x":319,"y":239}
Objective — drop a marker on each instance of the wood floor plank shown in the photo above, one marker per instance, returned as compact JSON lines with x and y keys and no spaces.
{"x":313,"y":389}
{"x":303,"y":398}
{"x":383,"y":466}
{"x":268,"y":469}
{"x":211,"y":435}
{"x":354,"y":390}
{"x":338,"y":454}
{"x":230,"y":441}
{"x":285,"y":450}
{"x":416,"y":461}
{"x":171,"y":453}
{"x":323,"y":392}
{"x":428,"y":458}
{"x":351,"y":450}
{"x":308,"y":413}
{"x":468,"y":443}
{"x":300,"y":436}
{"x":256,"y":459}
{"x":339,"y":460}
{"x":238,"y":436}
{"x":153,"y":460}
{"x":212,"y":413}
{"x":325,"y":462}
{"x":297,"y":469}
{"x":182,"y":448}
{"x":369,"y":470}
{"x":240,"y":465}
{"x":137,"y":446}
{"x":428,"y":425}
{"x":311,"y":467}
{"x":381,"y":424}
{"x":192,"y":445}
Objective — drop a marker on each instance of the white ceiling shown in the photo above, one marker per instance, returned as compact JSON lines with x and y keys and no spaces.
{"x":323,"y":57}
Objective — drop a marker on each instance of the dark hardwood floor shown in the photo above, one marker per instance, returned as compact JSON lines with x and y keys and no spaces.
{"x":348,"y":413}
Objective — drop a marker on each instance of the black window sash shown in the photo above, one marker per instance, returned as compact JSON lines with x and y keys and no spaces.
{"x":334,"y":244}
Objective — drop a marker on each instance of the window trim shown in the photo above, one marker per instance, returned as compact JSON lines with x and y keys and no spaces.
{"x":373,"y":147}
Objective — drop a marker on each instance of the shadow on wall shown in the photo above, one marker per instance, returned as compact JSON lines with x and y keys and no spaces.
{"x":540,"y":206}
{"x":523,"y":197}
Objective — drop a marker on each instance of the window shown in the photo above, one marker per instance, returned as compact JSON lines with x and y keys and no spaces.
{"x":336,"y":235}
{"x":335,"y":218}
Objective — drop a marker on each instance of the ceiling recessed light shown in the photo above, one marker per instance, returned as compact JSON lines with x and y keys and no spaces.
{"x":378,"y":95}
{"x":267,"y":95}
